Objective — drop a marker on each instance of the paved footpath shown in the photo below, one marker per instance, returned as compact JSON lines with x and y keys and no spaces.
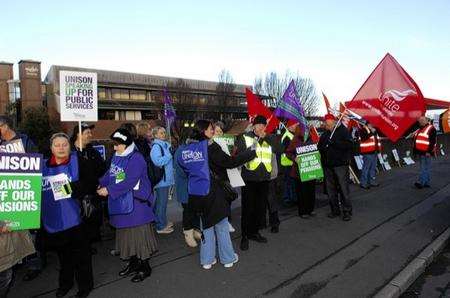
{"x":319,"y":257}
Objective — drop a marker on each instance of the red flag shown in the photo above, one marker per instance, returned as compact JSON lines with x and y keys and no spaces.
{"x":314,"y":134}
{"x":389,"y":99}
{"x":327,"y":103}
{"x":255,"y":107}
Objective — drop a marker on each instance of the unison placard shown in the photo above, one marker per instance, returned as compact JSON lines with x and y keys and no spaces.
{"x":20,"y":190}
{"x":78,"y":96}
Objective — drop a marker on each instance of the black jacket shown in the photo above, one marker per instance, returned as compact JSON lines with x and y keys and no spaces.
{"x":215,"y":207}
{"x":336,"y":152}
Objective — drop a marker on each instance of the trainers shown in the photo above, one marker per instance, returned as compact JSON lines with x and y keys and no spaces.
{"x":333,"y":215}
{"x":166,"y":230}
{"x":418,"y":185}
{"x":229,"y":265}
{"x":209,"y":266}
{"x":258,"y":238}
{"x":347,"y":217}
{"x":170,"y":224}
{"x":189,"y":238}
{"x":232,"y":229}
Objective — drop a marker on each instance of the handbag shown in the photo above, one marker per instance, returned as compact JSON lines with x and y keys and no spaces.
{"x":230,"y":194}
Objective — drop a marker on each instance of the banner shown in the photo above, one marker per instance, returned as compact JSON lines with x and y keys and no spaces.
{"x":20,"y":190}
{"x":389,"y":99}
{"x":78,"y":96}
{"x":309,"y":165}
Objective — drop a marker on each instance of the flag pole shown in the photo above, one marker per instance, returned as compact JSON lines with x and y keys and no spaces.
{"x":80,"y":134}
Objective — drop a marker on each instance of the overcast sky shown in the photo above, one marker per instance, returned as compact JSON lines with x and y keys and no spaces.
{"x":335,"y":43}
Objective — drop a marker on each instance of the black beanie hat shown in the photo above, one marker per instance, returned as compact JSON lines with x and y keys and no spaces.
{"x":260,"y":120}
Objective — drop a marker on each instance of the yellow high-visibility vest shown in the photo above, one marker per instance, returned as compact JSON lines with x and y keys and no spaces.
{"x":285,"y":161}
{"x":263,"y":155}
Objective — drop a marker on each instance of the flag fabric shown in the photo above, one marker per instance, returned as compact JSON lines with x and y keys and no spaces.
{"x":444,"y":121}
{"x":350,"y":120}
{"x":314,"y":134}
{"x":289,"y":107}
{"x":389,"y":99}
{"x":327,"y":103}
{"x":255,"y":107}
{"x":169,"y":111}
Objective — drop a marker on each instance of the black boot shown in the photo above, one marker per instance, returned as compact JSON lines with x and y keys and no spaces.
{"x":244,"y":243}
{"x":143,"y":271}
{"x":131,"y":267}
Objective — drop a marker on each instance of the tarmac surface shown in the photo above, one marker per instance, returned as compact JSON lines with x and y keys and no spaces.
{"x":318,"y":257}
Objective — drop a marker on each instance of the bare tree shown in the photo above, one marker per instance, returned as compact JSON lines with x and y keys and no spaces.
{"x":225,"y":88}
{"x":181,"y":91}
{"x":274,"y":85}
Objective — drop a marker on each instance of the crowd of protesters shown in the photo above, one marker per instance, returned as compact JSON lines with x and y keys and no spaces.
{"x":144,"y":170}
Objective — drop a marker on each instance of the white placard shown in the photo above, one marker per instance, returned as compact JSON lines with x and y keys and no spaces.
{"x":15,"y":146}
{"x":358,"y":161}
{"x":395,"y":153}
{"x":78,"y":96}
{"x":234,"y":175}
{"x":408,"y":160}
{"x":57,"y":183}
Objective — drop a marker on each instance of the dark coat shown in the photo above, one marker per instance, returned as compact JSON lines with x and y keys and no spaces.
{"x":336,"y":152}
{"x":214,"y":207}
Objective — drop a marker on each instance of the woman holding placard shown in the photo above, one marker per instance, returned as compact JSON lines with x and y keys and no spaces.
{"x":130,"y":205}
{"x":306,"y":190}
{"x":64,"y":184}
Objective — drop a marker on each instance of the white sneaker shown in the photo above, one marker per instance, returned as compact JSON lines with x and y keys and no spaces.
{"x":166,"y":230}
{"x":209,"y":266}
{"x":232,"y":229}
{"x":170,"y":224}
{"x":229,"y":265}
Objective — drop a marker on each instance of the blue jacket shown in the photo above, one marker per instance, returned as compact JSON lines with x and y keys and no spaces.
{"x":181,"y":179}
{"x":161,"y":160}
{"x":136,"y":181}
{"x":59,"y":215}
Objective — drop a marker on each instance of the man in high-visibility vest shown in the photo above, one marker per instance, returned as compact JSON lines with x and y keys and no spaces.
{"x":424,"y":146}
{"x":289,"y":195}
{"x":369,"y":147}
{"x":256,"y":175}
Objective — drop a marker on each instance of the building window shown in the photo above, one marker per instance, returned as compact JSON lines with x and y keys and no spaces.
{"x":149,"y":96}
{"x":120,"y":94}
{"x":106,"y":115}
{"x":128,"y":115}
{"x":137,"y":95}
{"x":101,"y":93}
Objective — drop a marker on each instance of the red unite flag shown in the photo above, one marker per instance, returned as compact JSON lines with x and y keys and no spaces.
{"x":255,"y":107}
{"x":389,"y":99}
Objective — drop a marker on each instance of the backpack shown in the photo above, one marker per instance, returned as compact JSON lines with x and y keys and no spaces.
{"x":155,"y":173}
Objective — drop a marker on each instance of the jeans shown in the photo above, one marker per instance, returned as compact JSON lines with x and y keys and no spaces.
{"x":289,"y":186}
{"x":208,"y":247}
{"x":162,"y":195}
{"x":369,"y":169}
{"x":5,"y":281}
{"x":425,"y":169}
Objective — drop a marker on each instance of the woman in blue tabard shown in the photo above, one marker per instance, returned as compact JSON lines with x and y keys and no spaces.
{"x":130,"y":205}
{"x":205,"y":165}
{"x":64,"y":184}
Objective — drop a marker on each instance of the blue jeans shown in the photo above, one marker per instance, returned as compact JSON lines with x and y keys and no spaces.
{"x":160,"y":209}
{"x":425,"y":169}
{"x":208,"y":247}
{"x":289,"y":194}
{"x":369,"y":169}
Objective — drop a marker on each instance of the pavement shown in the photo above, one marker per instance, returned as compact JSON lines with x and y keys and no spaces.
{"x":318,"y":257}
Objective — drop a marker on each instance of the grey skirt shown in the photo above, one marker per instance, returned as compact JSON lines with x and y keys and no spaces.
{"x":137,"y":241}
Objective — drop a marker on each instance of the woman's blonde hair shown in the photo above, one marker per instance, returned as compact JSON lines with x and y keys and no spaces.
{"x":156,"y":129}
{"x":142,"y":129}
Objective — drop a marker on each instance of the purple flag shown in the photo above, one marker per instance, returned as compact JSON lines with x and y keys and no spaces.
{"x":289,"y":107}
{"x":169,"y":111}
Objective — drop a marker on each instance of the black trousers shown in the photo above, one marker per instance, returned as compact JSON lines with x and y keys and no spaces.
{"x":75,"y":259}
{"x":337,"y":183}
{"x":254,"y":201}
{"x":190,"y":220}
{"x":306,"y":196}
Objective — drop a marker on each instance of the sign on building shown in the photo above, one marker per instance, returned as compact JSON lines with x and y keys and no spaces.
{"x":78,"y":96}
